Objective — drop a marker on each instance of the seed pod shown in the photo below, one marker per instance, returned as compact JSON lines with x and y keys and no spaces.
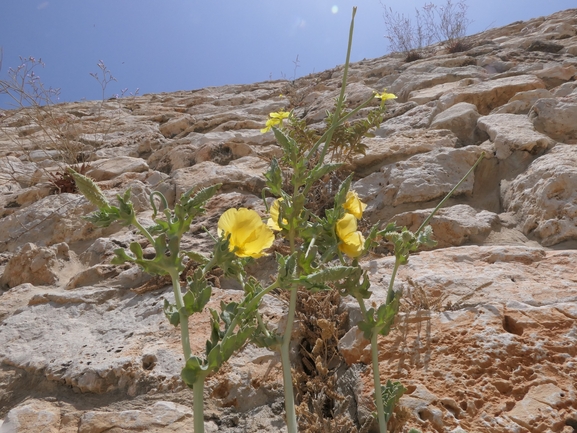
{"x":89,"y":189}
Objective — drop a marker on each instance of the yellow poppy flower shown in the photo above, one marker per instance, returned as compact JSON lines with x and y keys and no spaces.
{"x":274,"y":215}
{"x":354,"y":205}
{"x":275,"y":119}
{"x":352,"y":241}
{"x":248,"y":234}
{"x":384,"y":96}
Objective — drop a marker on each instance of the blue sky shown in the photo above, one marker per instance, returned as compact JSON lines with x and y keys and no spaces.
{"x":169,"y":45}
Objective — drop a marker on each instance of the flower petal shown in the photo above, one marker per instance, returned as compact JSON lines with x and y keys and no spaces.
{"x":248,"y":235}
{"x":346,"y":225}
{"x":274,"y":215}
{"x":354,"y":205}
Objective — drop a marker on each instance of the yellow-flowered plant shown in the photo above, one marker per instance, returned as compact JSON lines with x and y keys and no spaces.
{"x":354,"y":205}
{"x":384,"y":96}
{"x":352,"y":240}
{"x":243,"y":236}
{"x":324,"y":252}
{"x":247,"y":235}
{"x":273,"y":221}
{"x":275,"y":119}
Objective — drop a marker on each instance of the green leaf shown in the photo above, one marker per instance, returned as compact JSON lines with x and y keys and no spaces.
{"x":341,"y":195}
{"x":193,"y":370}
{"x":126,"y":209}
{"x":197,"y":257}
{"x":136,"y":249}
{"x":214,"y":358}
{"x":121,"y":257}
{"x":391,"y":393}
{"x":318,"y":172}
{"x":171,"y":313}
{"x":288,"y":145}
{"x":274,"y":178}
{"x":195,"y":301}
{"x":334,"y":273}
{"x":200,"y":198}
{"x":104,"y":217}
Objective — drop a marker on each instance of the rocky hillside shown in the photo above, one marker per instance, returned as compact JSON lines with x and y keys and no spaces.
{"x":487,"y":341}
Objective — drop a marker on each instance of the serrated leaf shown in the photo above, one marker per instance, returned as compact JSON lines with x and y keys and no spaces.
{"x":197,"y":257}
{"x":273,"y":178}
{"x":391,"y":394}
{"x":334,"y":273}
{"x":318,"y":173}
{"x":341,"y":195}
{"x":193,"y":370}
{"x":121,"y":257}
{"x":171,"y":313}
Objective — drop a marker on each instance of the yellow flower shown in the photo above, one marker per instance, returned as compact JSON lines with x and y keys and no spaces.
{"x":248,"y":234}
{"x":354,"y":205}
{"x":384,"y":96}
{"x":352,"y":241}
{"x":274,"y":215}
{"x":275,"y":119}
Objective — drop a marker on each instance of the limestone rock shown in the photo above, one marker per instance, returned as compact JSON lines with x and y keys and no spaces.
{"x":111,"y":168}
{"x":421,"y":178}
{"x":461,"y":119}
{"x":522,"y":102}
{"x":32,"y":417}
{"x":402,"y":144}
{"x":162,"y":414}
{"x":511,"y":132}
{"x":416,"y":118}
{"x":545,"y":196}
{"x":243,"y":173}
{"x":556,"y":118}
{"x":490,"y":94}
{"x":40,"y":266}
{"x":12,"y":169}
{"x":51,"y":220}
{"x":452,"y":226}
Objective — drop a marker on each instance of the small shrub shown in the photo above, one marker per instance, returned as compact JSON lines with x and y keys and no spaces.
{"x":446,"y":24}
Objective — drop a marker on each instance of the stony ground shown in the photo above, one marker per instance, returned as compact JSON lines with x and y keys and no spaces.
{"x":487,"y":338}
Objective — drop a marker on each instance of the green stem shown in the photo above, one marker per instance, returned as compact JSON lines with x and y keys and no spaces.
{"x":142,"y":230}
{"x":254,"y":302}
{"x":390,"y":292}
{"x":449,"y":194}
{"x":198,"y":404}
{"x":209,"y":266}
{"x":286,"y":365}
{"x":184,"y":336}
{"x":377,"y":382}
{"x":336,"y":118}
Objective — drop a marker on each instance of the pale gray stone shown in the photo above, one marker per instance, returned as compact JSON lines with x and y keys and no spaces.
{"x":511,"y":132}
{"x":461,"y":119}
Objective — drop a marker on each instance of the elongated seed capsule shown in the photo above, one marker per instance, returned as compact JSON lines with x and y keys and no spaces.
{"x":89,"y":189}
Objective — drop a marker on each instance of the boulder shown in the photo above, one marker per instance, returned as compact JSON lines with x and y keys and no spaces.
{"x":419,"y":179}
{"x":461,"y":119}
{"x":40,"y":266}
{"x":403,"y":144}
{"x":244,"y":174}
{"x":490,"y":94}
{"x":544,"y":198}
{"x":110,"y":168}
{"x":452,"y":226}
{"x":512,"y":132}
{"x":556,"y":118}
